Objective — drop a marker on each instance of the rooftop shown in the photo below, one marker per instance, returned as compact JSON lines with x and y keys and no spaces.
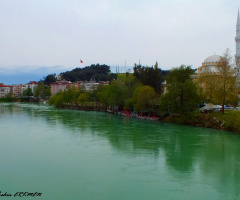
{"x":211,"y":59}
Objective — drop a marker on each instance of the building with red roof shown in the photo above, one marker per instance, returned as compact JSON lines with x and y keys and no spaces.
{"x":5,"y":89}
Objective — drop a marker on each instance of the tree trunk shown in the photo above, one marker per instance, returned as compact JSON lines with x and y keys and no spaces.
{"x":224,"y":90}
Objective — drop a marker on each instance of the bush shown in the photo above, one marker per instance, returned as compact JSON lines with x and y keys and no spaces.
{"x":57,"y":100}
{"x":187,"y":118}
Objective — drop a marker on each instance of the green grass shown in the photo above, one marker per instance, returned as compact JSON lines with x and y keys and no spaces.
{"x":231,"y":119}
{"x":121,"y":76}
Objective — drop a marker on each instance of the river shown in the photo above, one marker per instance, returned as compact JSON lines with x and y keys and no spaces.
{"x":65,"y":154}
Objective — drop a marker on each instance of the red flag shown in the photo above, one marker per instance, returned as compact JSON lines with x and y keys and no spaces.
{"x":81,"y":61}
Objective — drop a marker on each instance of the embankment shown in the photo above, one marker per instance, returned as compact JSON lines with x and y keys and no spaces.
{"x":229,"y":121}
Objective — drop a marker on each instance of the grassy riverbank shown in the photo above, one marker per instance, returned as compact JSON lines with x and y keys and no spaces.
{"x":21,"y":99}
{"x":229,"y":121}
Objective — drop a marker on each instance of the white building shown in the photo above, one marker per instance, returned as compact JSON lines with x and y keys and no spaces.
{"x":5,"y":89}
{"x":32,"y":85}
{"x":210,"y":64}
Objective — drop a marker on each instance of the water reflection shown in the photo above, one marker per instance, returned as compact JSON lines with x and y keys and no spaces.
{"x":186,"y":150}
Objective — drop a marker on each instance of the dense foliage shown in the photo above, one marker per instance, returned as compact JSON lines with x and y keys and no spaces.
{"x":8,"y":98}
{"x":94,"y":72}
{"x":143,"y":98}
{"x":140,"y":91}
{"x":27,"y":92}
{"x":182,"y":93}
{"x":42,"y":90}
{"x":151,"y":76}
{"x":65,"y":97}
{"x":50,"y":79}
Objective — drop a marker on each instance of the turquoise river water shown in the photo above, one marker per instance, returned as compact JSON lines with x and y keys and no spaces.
{"x":63,"y":154}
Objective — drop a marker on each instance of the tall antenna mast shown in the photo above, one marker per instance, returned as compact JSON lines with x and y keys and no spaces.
{"x":125,"y":66}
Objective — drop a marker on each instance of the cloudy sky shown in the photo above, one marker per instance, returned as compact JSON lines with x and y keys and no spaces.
{"x":56,"y":34}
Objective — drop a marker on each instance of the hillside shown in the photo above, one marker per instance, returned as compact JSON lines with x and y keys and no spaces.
{"x":94,"y":72}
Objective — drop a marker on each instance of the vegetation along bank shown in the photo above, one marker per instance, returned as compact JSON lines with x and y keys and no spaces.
{"x":149,"y":93}
{"x":144,"y":94}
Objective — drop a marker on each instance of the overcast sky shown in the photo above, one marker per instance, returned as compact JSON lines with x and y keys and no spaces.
{"x":58,"y":33}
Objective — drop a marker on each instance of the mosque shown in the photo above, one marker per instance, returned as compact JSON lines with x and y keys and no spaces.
{"x":211,"y":62}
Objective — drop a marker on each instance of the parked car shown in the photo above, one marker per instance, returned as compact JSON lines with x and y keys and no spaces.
{"x":237,"y":108}
{"x":228,"y":107}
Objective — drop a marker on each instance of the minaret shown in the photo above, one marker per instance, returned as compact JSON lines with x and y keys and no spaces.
{"x":237,"y":39}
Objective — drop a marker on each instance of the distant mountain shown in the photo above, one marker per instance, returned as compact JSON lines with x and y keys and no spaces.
{"x":25,"y":74}
{"x":9,"y":79}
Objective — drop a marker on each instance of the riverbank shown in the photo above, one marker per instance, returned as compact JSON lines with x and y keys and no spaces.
{"x":22,"y":99}
{"x":229,"y":121}
{"x":85,"y":108}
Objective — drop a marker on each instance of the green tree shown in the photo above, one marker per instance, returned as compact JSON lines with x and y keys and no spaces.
{"x":70,"y":96}
{"x":182,"y":93}
{"x":62,"y":98}
{"x":94,"y":95}
{"x":42,"y":91}
{"x":57,"y":99}
{"x":49,"y":79}
{"x":113,"y":94}
{"x":143,"y":98}
{"x":151,"y":76}
{"x":130,"y":83}
{"x":47,"y":91}
{"x":94,"y":72}
{"x":28,"y":92}
{"x":39,"y":89}
{"x":9,"y":97}
{"x":82,"y":98}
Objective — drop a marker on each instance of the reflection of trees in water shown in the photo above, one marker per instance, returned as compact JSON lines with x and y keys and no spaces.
{"x":181,"y":151}
{"x":220,"y":158}
{"x":215,"y":153}
{"x":11,"y":108}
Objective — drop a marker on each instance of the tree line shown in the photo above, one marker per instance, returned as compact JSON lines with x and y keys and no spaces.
{"x":143,"y":90}
{"x":94,"y":72}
